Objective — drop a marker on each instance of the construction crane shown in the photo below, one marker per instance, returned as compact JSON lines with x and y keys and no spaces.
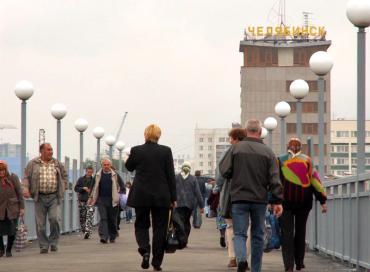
{"x":5,"y":126}
{"x":120,"y":127}
{"x":41,"y":136}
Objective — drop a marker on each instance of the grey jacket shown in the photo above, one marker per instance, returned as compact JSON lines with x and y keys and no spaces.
{"x":254,"y":171}
{"x":188,"y":192}
{"x":31,"y":178}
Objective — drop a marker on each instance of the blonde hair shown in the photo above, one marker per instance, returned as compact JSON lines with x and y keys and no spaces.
{"x":152,"y":133}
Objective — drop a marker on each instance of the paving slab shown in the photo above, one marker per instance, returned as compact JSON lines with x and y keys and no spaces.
{"x":204,"y":254}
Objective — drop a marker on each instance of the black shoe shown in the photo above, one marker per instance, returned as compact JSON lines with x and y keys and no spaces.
{"x":157,"y":268}
{"x":86,"y":235}
{"x":112,"y":240}
{"x":103,"y":241}
{"x":9,"y":254}
{"x":44,"y":251}
{"x":222,"y":242}
{"x":54,"y":248}
{"x":242,"y":266}
{"x":299,"y":267}
{"x":145,"y":262}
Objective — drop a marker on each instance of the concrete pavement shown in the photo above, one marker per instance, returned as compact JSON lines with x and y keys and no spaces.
{"x":204,"y":254}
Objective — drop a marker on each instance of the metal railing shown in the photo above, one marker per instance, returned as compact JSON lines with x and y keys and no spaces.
{"x":344,"y":231}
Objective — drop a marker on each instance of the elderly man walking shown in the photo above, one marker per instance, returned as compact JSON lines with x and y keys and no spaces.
{"x":105,"y":194}
{"x":254,"y":171}
{"x":45,"y":180}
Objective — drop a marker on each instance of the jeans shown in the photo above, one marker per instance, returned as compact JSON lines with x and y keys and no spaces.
{"x":241,"y":213}
{"x":108,"y":221}
{"x":128,"y":214}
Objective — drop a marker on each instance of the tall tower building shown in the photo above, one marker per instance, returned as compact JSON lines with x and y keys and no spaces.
{"x":271,"y":63}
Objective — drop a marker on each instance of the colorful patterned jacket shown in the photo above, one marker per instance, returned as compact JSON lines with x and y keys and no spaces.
{"x":300,"y":181}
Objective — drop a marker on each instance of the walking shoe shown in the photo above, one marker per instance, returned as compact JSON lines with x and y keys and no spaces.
{"x":300,"y":267}
{"x":222,"y":242}
{"x":44,"y":251}
{"x":112,"y":240}
{"x":86,"y":235}
{"x":8,"y":254}
{"x":103,"y":241}
{"x":242,"y":266}
{"x":157,"y":268}
{"x":232,"y":263}
{"x":54,"y":248}
{"x":145,"y":262}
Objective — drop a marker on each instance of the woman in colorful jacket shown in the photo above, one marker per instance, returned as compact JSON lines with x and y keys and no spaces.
{"x":11,"y":207}
{"x":301,"y":182}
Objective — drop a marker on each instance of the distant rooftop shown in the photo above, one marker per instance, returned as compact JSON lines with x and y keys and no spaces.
{"x":288,"y":43}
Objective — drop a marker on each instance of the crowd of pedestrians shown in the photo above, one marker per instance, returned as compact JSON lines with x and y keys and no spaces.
{"x":250,"y":180}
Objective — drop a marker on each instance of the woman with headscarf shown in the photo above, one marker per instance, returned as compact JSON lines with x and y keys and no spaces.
{"x":301,"y":182}
{"x":11,"y":207}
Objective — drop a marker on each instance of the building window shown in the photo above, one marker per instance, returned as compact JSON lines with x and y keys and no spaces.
{"x":367,"y":133}
{"x":342,"y":134}
{"x":307,"y":128}
{"x":210,"y":140}
{"x":367,"y":148}
{"x":200,"y":163}
{"x":221,"y":140}
{"x":201,"y":156}
{"x":307,"y":107}
{"x":201,"y":140}
{"x":342,"y":148}
{"x":353,"y":134}
{"x":209,"y":155}
{"x":200,"y":147}
{"x":354,"y":148}
{"x":354,"y":161}
{"x":210,"y":172}
{"x":209,"y":147}
{"x":209,"y":163}
{"x":342,"y":161}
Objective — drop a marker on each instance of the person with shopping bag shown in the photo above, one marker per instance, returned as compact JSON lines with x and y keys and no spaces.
{"x":153,"y":192}
{"x":11,"y":207}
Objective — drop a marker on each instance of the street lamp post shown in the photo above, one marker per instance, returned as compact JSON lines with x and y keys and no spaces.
{"x":321,"y":64}
{"x":81,"y":125}
{"x":270,"y":124}
{"x":282,"y":109}
{"x":264,"y":133}
{"x":58,"y":111}
{"x":98,"y":133}
{"x":299,"y":90}
{"x":120,"y":146}
{"x":358,"y":12}
{"x":110,"y":140}
{"x":23,"y":90}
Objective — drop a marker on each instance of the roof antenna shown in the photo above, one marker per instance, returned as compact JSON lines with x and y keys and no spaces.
{"x":306,"y":19}
{"x":282,"y":13}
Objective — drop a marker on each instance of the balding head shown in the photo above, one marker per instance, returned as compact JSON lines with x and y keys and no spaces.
{"x":253,"y":128}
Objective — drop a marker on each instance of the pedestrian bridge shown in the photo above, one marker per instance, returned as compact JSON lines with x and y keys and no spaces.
{"x":203,"y":254}
{"x":340,"y":239}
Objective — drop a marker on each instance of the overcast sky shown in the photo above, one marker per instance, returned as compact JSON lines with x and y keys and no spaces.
{"x":172,"y":62}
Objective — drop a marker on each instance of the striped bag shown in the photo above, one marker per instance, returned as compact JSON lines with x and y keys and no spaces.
{"x":21,"y":236}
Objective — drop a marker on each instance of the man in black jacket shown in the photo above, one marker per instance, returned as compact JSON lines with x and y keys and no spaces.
{"x":254,"y":171}
{"x":83,"y":188}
